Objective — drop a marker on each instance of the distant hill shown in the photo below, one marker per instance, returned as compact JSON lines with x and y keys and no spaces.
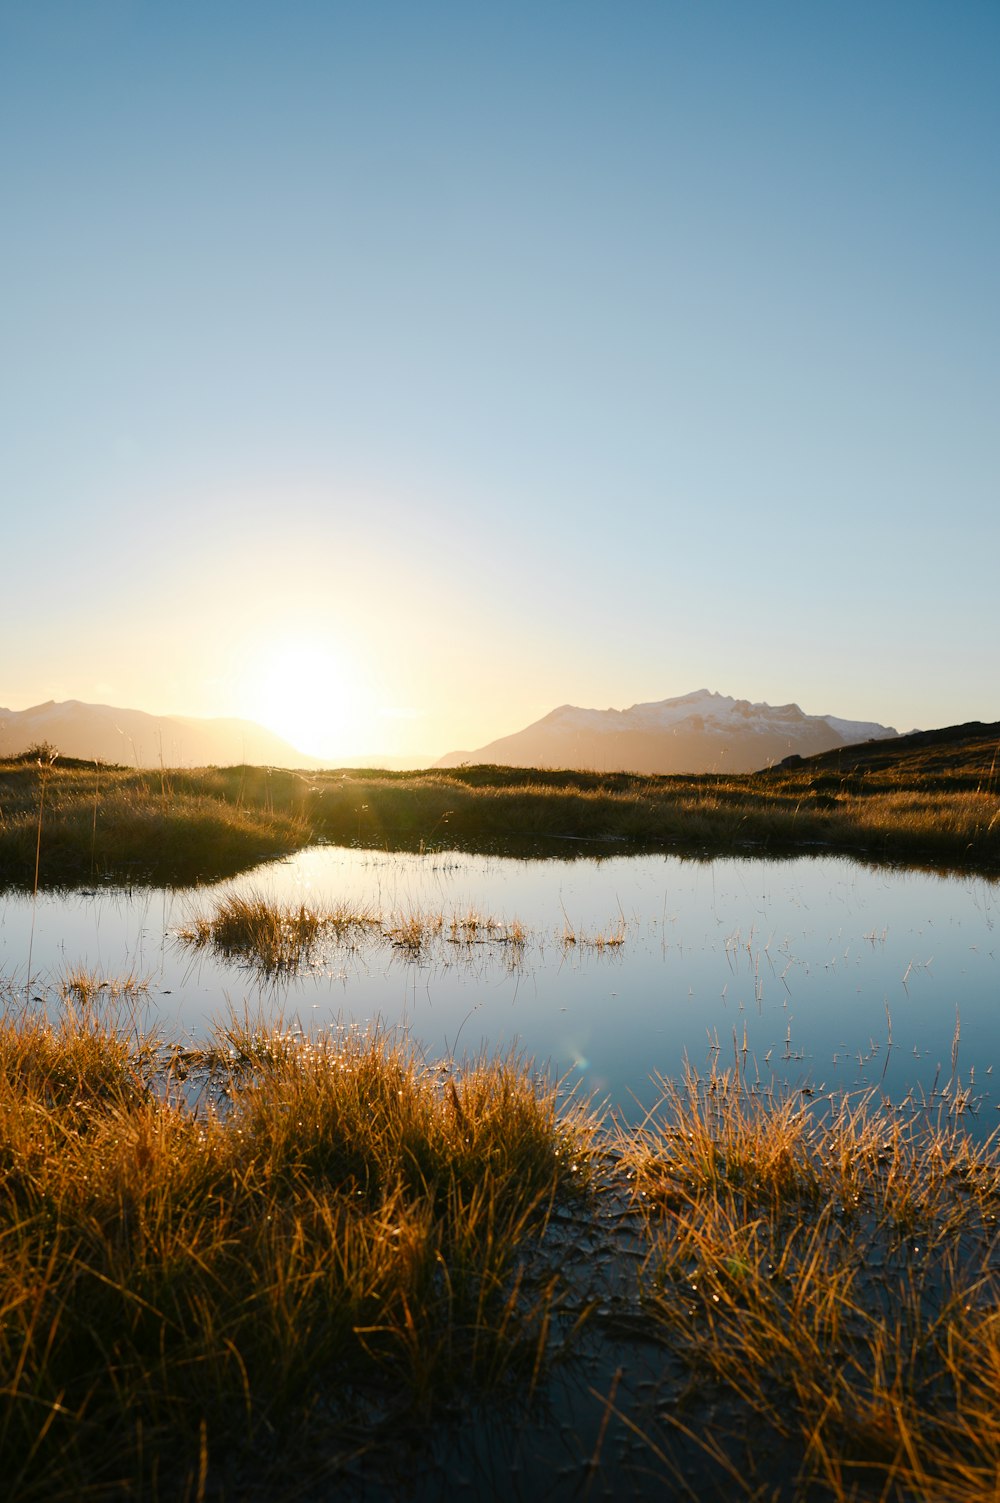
{"x":955,"y":756}
{"x":699,"y":732}
{"x":108,"y":733}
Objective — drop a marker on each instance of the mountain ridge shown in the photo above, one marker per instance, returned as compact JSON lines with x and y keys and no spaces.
{"x":135,"y":738}
{"x":702,"y":731}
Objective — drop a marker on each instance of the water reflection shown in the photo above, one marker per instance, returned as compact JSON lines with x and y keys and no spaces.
{"x":816,"y":971}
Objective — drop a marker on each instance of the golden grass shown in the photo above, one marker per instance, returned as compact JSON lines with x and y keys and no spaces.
{"x":219,"y":1259}
{"x":937,"y":805}
{"x":779,"y":812}
{"x":277,"y":938}
{"x":81,"y":986}
{"x":610,"y":938}
{"x":281,"y":938}
{"x":80,"y":822}
{"x":835,"y":1274}
{"x":347,"y":1235}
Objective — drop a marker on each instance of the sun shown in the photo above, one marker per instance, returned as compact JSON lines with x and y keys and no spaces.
{"x":306,"y":694}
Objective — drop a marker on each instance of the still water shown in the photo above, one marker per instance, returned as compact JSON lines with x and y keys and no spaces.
{"x":814,"y":972}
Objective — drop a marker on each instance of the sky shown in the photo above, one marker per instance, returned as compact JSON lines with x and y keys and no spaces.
{"x":394,"y":373}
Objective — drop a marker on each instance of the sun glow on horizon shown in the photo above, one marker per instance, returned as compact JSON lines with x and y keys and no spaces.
{"x":308,"y":695}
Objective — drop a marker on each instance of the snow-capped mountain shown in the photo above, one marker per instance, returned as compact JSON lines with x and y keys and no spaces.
{"x":699,"y":732}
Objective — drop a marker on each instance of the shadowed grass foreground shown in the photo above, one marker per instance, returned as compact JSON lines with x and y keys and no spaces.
{"x":931,"y":799}
{"x":349,"y":1253}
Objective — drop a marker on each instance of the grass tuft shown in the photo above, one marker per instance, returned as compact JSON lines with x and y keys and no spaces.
{"x":346,"y":1233}
{"x":276,"y":938}
{"x":830,"y":1269}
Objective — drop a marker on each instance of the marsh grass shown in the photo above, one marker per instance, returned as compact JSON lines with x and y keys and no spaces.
{"x":102,"y":821}
{"x":610,"y":938}
{"x":82,"y":986}
{"x":278,"y":938}
{"x":337,"y":1249}
{"x":474,"y":928}
{"x":412,"y":931}
{"x":349,"y":1236}
{"x":927,"y":799}
{"x":934,"y":804}
{"x":829,"y":1270}
{"x":931,"y":797}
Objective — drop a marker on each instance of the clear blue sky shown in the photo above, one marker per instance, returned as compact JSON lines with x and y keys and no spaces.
{"x":453,"y":361}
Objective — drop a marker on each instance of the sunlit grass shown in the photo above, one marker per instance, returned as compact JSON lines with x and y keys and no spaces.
{"x":279,"y":937}
{"x":83,"y":986}
{"x":276,"y":937}
{"x":349,"y":1234}
{"x":832,"y":1270}
{"x":610,"y":938}
{"x":329,"y":1244}
{"x":82,"y":822}
{"x":938,"y":805}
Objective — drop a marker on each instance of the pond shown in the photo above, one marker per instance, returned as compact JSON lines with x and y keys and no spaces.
{"x":812,"y":973}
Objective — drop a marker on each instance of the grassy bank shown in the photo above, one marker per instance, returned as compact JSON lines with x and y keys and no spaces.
{"x":275,"y":1266}
{"x":920,"y":800}
{"x":73,"y":822}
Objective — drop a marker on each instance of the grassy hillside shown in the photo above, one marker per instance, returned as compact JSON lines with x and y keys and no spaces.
{"x":958,"y":756}
{"x":932,"y":798}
